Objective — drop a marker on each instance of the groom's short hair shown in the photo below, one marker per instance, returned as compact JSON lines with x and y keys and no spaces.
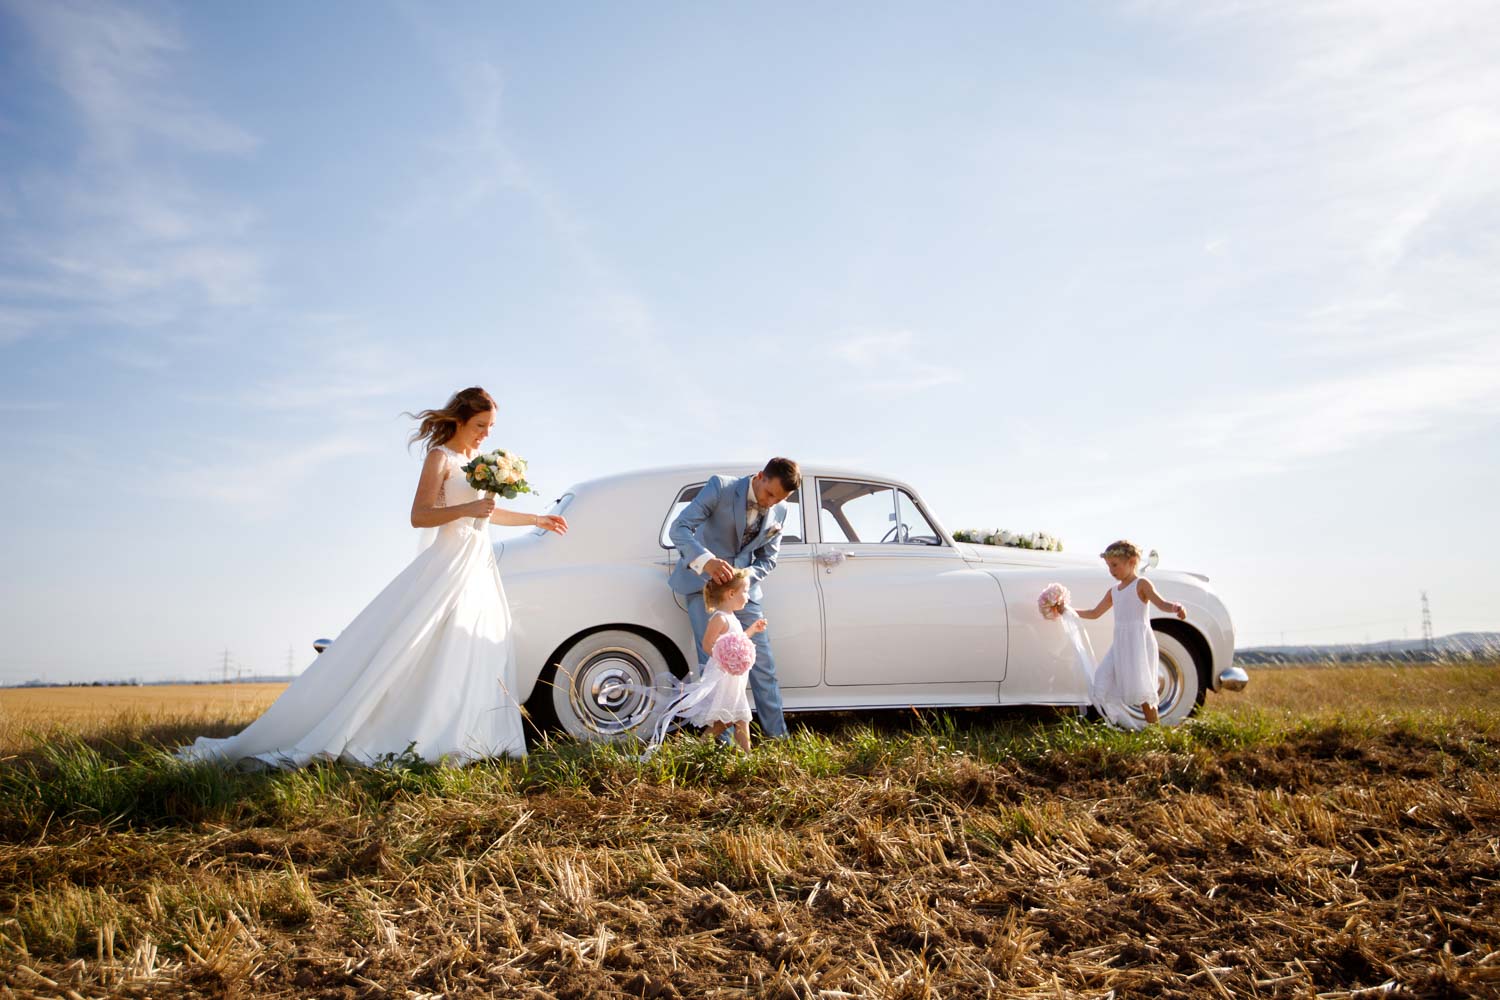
{"x":785,"y":471}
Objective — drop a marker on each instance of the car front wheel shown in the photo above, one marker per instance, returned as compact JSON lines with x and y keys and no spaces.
{"x":601,"y":687}
{"x":1179,"y":683}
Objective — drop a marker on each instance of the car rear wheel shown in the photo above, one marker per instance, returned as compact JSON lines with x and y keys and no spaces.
{"x":600,"y":687}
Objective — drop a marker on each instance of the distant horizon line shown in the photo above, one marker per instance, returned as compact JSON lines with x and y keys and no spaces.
{"x":1490,"y":639}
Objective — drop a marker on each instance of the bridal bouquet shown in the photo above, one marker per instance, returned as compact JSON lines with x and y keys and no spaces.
{"x":1039,"y":540}
{"x":1053,"y":601}
{"x":498,"y":472}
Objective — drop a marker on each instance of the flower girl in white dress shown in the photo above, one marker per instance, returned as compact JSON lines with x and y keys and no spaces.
{"x":727,"y":670}
{"x":718,"y":699}
{"x":429,"y":665}
{"x":1127,"y":674}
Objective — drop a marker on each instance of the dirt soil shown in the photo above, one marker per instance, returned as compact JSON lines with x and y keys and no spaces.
{"x":1326,"y":864}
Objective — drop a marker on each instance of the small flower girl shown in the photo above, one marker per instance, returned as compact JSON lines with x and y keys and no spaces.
{"x":718,"y":699}
{"x":1127,"y":674}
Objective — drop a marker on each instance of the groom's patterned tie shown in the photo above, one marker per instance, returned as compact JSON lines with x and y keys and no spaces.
{"x":753,"y":516}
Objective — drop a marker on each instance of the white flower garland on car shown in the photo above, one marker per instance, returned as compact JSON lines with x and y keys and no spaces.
{"x":1038,"y":540}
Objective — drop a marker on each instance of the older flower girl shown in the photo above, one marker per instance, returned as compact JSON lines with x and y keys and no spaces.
{"x":1127,"y":674}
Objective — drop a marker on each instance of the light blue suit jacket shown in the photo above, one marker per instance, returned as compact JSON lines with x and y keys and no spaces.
{"x":715,"y":522}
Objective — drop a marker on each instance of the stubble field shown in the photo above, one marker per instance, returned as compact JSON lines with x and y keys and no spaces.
{"x":1329,"y":832}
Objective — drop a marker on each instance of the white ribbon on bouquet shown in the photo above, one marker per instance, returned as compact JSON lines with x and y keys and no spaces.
{"x":680,"y":699}
{"x":676,"y":699}
{"x":1083,"y":650}
{"x":1112,"y":709}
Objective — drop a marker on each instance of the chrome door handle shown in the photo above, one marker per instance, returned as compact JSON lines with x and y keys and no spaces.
{"x":831,"y":559}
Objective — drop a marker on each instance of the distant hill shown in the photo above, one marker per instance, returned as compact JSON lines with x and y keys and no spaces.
{"x":1459,"y":646}
{"x":171,"y":682}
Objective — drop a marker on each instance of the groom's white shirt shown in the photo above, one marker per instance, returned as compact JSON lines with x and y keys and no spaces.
{"x":754,"y":514}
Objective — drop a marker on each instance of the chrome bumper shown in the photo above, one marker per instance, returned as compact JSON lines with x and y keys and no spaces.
{"x":1232,"y":679}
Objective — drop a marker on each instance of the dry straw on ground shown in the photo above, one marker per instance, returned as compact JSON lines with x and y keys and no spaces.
{"x":26,"y":712}
{"x":1347,"y":847}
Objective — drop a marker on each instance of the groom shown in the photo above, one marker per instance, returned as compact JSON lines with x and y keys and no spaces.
{"x":736,"y":523}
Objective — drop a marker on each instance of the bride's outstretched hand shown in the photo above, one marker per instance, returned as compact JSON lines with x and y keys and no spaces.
{"x":552,"y":522}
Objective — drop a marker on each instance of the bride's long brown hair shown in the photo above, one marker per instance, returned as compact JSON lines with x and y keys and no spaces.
{"x":438,"y":426}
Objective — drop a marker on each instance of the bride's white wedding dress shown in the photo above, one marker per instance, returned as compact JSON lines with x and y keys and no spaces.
{"x":429,"y":665}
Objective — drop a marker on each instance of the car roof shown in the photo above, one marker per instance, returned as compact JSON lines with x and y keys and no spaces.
{"x":676,"y":476}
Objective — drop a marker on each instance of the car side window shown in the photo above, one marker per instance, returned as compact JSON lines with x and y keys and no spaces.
{"x":868,"y":513}
{"x":791,"y":534}
{"x":687,"y":495}
{"x":856,"y":512}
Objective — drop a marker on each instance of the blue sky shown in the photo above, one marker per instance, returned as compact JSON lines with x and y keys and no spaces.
{"x":1215,"y":277}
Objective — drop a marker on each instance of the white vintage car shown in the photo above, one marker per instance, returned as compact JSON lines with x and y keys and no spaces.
{"x":872,"y":605}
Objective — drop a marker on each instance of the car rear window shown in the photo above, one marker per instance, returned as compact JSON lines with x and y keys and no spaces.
{"x":791,"y":535}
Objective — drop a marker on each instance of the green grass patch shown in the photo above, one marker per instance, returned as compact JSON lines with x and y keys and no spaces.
{"x":73,"y":781}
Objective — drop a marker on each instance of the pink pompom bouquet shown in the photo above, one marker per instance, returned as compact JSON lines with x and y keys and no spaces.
{"x":735,"y":652}
{"x":1053,"y":601}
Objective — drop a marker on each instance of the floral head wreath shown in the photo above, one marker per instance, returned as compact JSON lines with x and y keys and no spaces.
{"x":1121,"y":550}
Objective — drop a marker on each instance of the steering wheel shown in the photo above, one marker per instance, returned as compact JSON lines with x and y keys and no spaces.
{"x":902,"y":532}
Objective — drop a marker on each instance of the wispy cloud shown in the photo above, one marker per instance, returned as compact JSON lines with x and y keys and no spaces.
{"x":115,"y":64}
{"x":121,"y":236}
{"x":19,"y":322}
{"x":334,"y":363}
{"x":1285,"y":429}
{"x":1291,"y":430}
{"x":475,"y":160}
{"x":1366,"y":134}
{"x":1369,"y":130}
{"x":889,"y":363}
{"x":254,"y":480}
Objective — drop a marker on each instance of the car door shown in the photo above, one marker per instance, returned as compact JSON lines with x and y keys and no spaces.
{"x":789,"y":596}
{"x":900,"y":604}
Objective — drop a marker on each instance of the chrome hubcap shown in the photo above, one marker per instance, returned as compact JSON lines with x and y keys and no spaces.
{"x":605,"y":693}
{"x":1168,"y":687}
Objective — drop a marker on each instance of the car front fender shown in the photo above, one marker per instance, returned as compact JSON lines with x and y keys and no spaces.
{"x":551,"y":606}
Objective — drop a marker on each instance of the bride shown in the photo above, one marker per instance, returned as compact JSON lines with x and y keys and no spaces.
{"x":429,"y":665}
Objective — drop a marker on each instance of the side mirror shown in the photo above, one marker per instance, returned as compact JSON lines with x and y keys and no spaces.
{"x":321,"y":644}
{"x":1151,"y":560}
